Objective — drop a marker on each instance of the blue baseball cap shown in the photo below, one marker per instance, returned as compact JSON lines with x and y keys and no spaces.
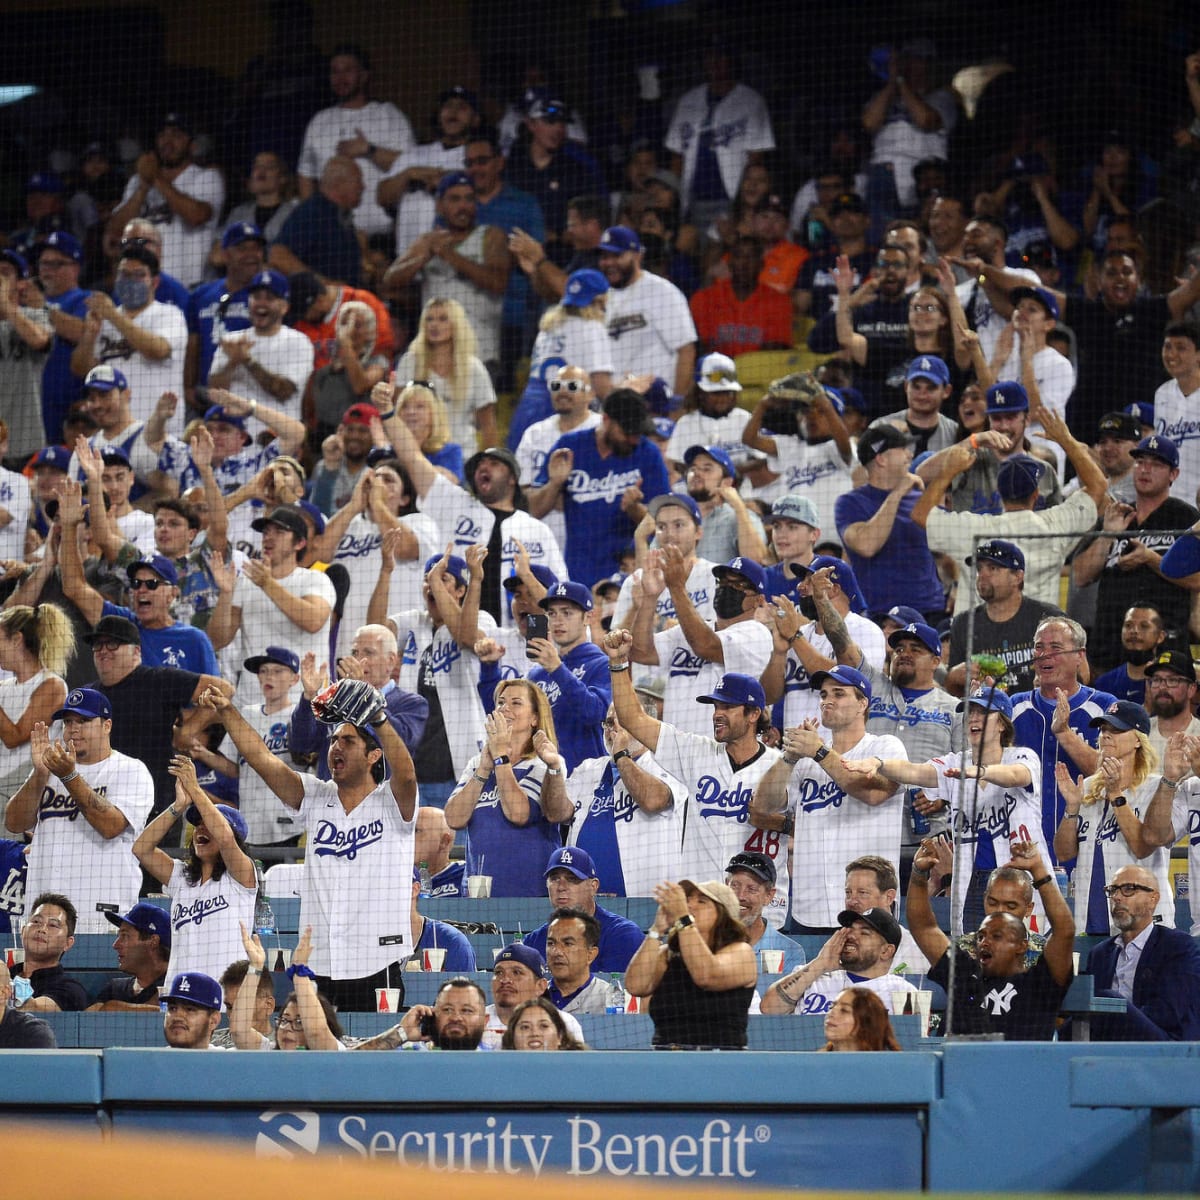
{"x":19,"y":261}
{"x":45,"y":181}
{"x":989,"y":697}
{"x":310,"y":510}
{"x":67,"y":244}
{"x":679,"y":500}
{"x":929,"y":366}
{"x":573,"y":859}
{"x":458,"y":92}
{"x":843,"y":575}
{"x":902,"y":615}
{"x":58,"y":457}
{"x":717,"y":453}
{"x":1019,"y":477}
{"x":145,"y":918}
{"x":1124,"y":715}
{"x":455,"y":565}
{"x":1157,"y":446}
{"x":453,"y":179}
{"x":162,"y":566}
{"x":734,"y":688}
{"x":280,"y":655}
{"x":925,"y":634}
{"x":274,"y":282}
{"x":546,"y":108}
{"x":1042,"y":295}
{"x":663,"y":427}
{"x":1141,"y":410}
{"x":747,"y":568}
{"x":543,"y":575}
{"x":616,"y":239}
{"x":215,"y":412}
{"x":87,"y":703}
{"x":848,"y":677}
{"x":1007,"y":396}
{"x":583,"y":287}
{"x":527,"y":956}
{"x":835,"y":398}
{"x":853,"y":398}
{"x":572,"y":593}
{"x":1000,"y":552}
{"x":239,"y":232}
{"x":104,"y":377}
{"x":194,"y":988}
{"x":236,"y":821}
{"x":114,"y":456}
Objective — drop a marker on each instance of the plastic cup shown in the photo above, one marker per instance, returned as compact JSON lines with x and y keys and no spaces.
{"x":387,"y":1000}
{"x":14,"y":956}
{"x":433,"y":960}
{"x":771,"y":961}
{"x":479,"y":887}
{"x":924,"y":1005}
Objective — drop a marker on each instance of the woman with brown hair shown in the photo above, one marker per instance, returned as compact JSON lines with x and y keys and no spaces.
{"x":858,"y":1021}
{"x":537,"y":1025}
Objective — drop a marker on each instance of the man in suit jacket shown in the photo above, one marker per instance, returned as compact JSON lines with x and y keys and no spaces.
{"x":1156,"y":970}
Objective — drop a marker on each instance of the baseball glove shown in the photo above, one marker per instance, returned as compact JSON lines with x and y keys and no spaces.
{"x":352,"y":700}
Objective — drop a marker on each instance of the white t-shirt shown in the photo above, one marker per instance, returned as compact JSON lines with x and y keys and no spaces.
{"x":149,"y":377}
{"x":268,"y":819}
{"x":818,"y":471}
{"x":1055,"y":380}
{"x":695,"y":429}
{"x":204,"y":922}
{"x":819,"y":998}
{"x":417,"y":210}
{"x":16,"y":501}
{"x":649,"y":322}
{"x":900,"y":142}
{"x":833,"y":829}
{"x":69,"y":856}
{"x":285,"y":352}
{"x":574,"y":342}
{"x":15,"y":762}
{"x":265,"y":624}
{"x":461,"y":409}
{"x":1177,"y":417}
{"x":534,"y":449}
{"x":357,"y":889}
{"x":184,"y":247}
{"x":747,"y":650}
{"x":988,"y":322}
{"x":799,"y":699}
{"x":701,"y":584}
{"x":382,"y":124}
{"x":716,"y":815}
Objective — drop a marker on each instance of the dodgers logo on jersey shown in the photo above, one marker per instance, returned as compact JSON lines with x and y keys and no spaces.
{"x":468,"y":531}
{"x":713,"y":800}
{"x":346,"y":843}
{"x":815,"y":795}
{"x":993,"y":820}
{"x":609,"y":488}
{"x":684,"y":663}
{"x":194,"y":913}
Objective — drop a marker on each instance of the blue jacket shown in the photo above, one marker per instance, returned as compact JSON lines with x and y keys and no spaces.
{"x":1166,"y":984}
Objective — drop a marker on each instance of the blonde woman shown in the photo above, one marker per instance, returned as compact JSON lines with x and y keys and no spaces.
{"x":512,"y":795}
{"x":35,"y":646}
{"x":1102,"y":826}
{"x":442,"y":355}
{"x":422,"y":410}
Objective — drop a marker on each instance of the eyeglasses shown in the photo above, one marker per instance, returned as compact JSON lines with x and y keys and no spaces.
{"x":45,"y":923}
{"x":1126,"y":889}
{"x":289,"y":1023}
{"x":925,"y":308}
{"x":891,"y":264}
{"x":479,"y":160}
{"x":1161,"y":680}
{"x":739,"y":585}
{"x":151,"y":585}
{"x":568,"y":385}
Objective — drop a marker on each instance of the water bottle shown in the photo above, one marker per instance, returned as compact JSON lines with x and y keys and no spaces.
{"x":264,"y":918}
{"x":616,"y":995}
{"x":920,"y":822}
{"x":425,"y":887}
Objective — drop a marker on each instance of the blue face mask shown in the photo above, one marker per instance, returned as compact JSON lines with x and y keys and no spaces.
{"x":131,"y":293}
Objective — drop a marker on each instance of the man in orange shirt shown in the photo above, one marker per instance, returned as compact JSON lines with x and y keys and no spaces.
{"x":782,"y":259}
{"x":315,"y":305}
{"x":741,"y":313}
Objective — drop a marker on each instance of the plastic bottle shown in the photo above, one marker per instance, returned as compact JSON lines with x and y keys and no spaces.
{"x":264,"y":918}
{"x":920,"y":822}
{"x":426,"y":880}
{"x":616,"y":995}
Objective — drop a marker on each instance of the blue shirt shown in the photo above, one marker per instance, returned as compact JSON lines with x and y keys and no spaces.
{"x":212,"y":313}
{"x":437,"y":935}
{"x":793,"y":953}
{"x":171,"y":291}
{"x":12,"y":881}
{"x":450,"y":881}
{"x":59,"y":386}
{"x":597,"y":530}
{"x":620,"y":940}
{"x":182,"y":646}
{"x":509,"y":209}
{"x":322,"y":237}
{"x":1118,"y":683}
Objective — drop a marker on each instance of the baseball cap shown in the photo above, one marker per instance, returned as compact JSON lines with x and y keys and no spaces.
{"x":1019,"y":476}
{"x":573,"y":593}
{"x":458,"y":92}
{"x":847,"y":202}
{"x":305,"y":289}
{"x":1123,"y":715}
{"x":721,"y":894}
{"x":194,"y":988}
{"x":58,"y":457}
{"x":1003,"y":554}
{"x":114,"y":456}
{"x":848,"y":677}
{"x":500,"y":454}
{"x":773,"y":202}
{"x":1007,"y":396}
{"x":678,"y":500}
{"x":879,"y":920}
{"x":1120,"y":425}
{"x":1042,"y":295}
{"x":733,"y":688}
{"x":216,"y":412}
{"x":902,"y":615}
{"x":454,"y":564}
{"x":114,"y":629}
{"x":583,"y":287}
{"x":628,"y":410}
{"x":753,"y":863}
{"x":667,"y":178}
{"x":280,"y":655}
{"x":104,"y":377}
{"x":236,"y":821}
{"x":145,"y":918}
{"x":616,"y":239}
{"x":543,"y":575}
{"x":747,"y":568}
{"x":930,"y":367}
{"x":1174,"y":660}
{"x":162,"y":566}
{"x":664,"y":427}
{"x":17,"y":260}
{"x":877,"y":439}
{"x":275,"y":282}
{"x":239,"y":232}
{"x":45,"y":181}
{"x":1158,"y":447}
{"x":67,"y":244}
{"x":925,"y":634}
{"x":717,"y":453}
{"x":718,"y":373}
{"x":176,"y":119}
{"x":573,"y":859}
{"x":527,"y":956}
{"x":843,"y":575}
{"x":546,"y":109}
{"x":309,"y":509}
{"x":992,"y":698}
{"x":87,"y":703}
{"x":285,"y":516}
{"x":453,"y":179}
{"x":793,"y":507}
{"x":361,"y":413}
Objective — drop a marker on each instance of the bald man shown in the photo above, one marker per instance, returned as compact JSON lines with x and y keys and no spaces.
{"x":319,"y":235}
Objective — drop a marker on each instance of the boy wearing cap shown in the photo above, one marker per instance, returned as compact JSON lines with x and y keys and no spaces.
{"x":25,"y":339}
{"x":192,"y":1012}
{"x":143,"y":947}
{"x":1177,"y":402}
{"x":87,"y":802}
{"x":267,"y":363}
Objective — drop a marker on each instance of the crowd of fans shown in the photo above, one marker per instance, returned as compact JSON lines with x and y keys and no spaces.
{"x":284,"y":582}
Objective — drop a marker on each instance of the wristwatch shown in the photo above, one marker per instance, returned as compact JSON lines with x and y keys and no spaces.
{"x":821,"y":754}
{"x":501,"y":760}
{"x":620,"y":754}
{"x":1118,"y":802}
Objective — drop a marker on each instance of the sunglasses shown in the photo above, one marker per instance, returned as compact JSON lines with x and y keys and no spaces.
{"x":719,"y":377}
{"x":568,"y":385}
{"x":151,"y":585}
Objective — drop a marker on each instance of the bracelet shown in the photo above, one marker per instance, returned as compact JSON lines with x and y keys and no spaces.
{"x":1171,"y":783}
{"x":918,"y":875}
{"x":387,"y":416}
{"x":1045,"y":879}
{"x":620,"y":754}
{"x":254,"y":970}
{"x":798,"y":633}
{"x":654,"y":935}
{"x":974,"y":441}
{"x":615,"y":668}
{"x":501,"y":760}
{"x":791,"y":759}
{"x":301,"y":970}
{"x":67,"y":778}
{"x":554,"y":770}
{"x":479,"y":778}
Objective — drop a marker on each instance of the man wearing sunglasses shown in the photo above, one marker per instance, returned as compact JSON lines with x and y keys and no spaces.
{"x":1157,"y":970}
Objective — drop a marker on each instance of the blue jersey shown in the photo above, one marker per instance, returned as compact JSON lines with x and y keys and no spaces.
{"x":512,"y":209}
{"x":579,"y":691}
{"x":59,"y":386}
{"x":12,"y":881}
{"x":597,"y":530}
{"x":213,"y":313}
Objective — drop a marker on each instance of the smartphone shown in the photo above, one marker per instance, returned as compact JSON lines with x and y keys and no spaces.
{"x":537,"y":625}
{"x":429,"y":1027}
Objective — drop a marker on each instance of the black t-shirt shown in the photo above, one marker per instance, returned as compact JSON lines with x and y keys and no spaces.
{"x":145,"y":705}
{"x":55,"y":984}
{"x":21,"y":1031}
{"x":1021,"y":1007}
{"x":884,"y":323}
{"x":1011,"y":640}
{"x":432,"y":757}
{"x":124,"y":988}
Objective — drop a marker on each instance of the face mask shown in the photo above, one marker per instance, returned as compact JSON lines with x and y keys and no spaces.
{"x":727,"y":602}
{"x":808,"y":606}
{"x":1138,"y":658}
{"x":132,"y":293}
